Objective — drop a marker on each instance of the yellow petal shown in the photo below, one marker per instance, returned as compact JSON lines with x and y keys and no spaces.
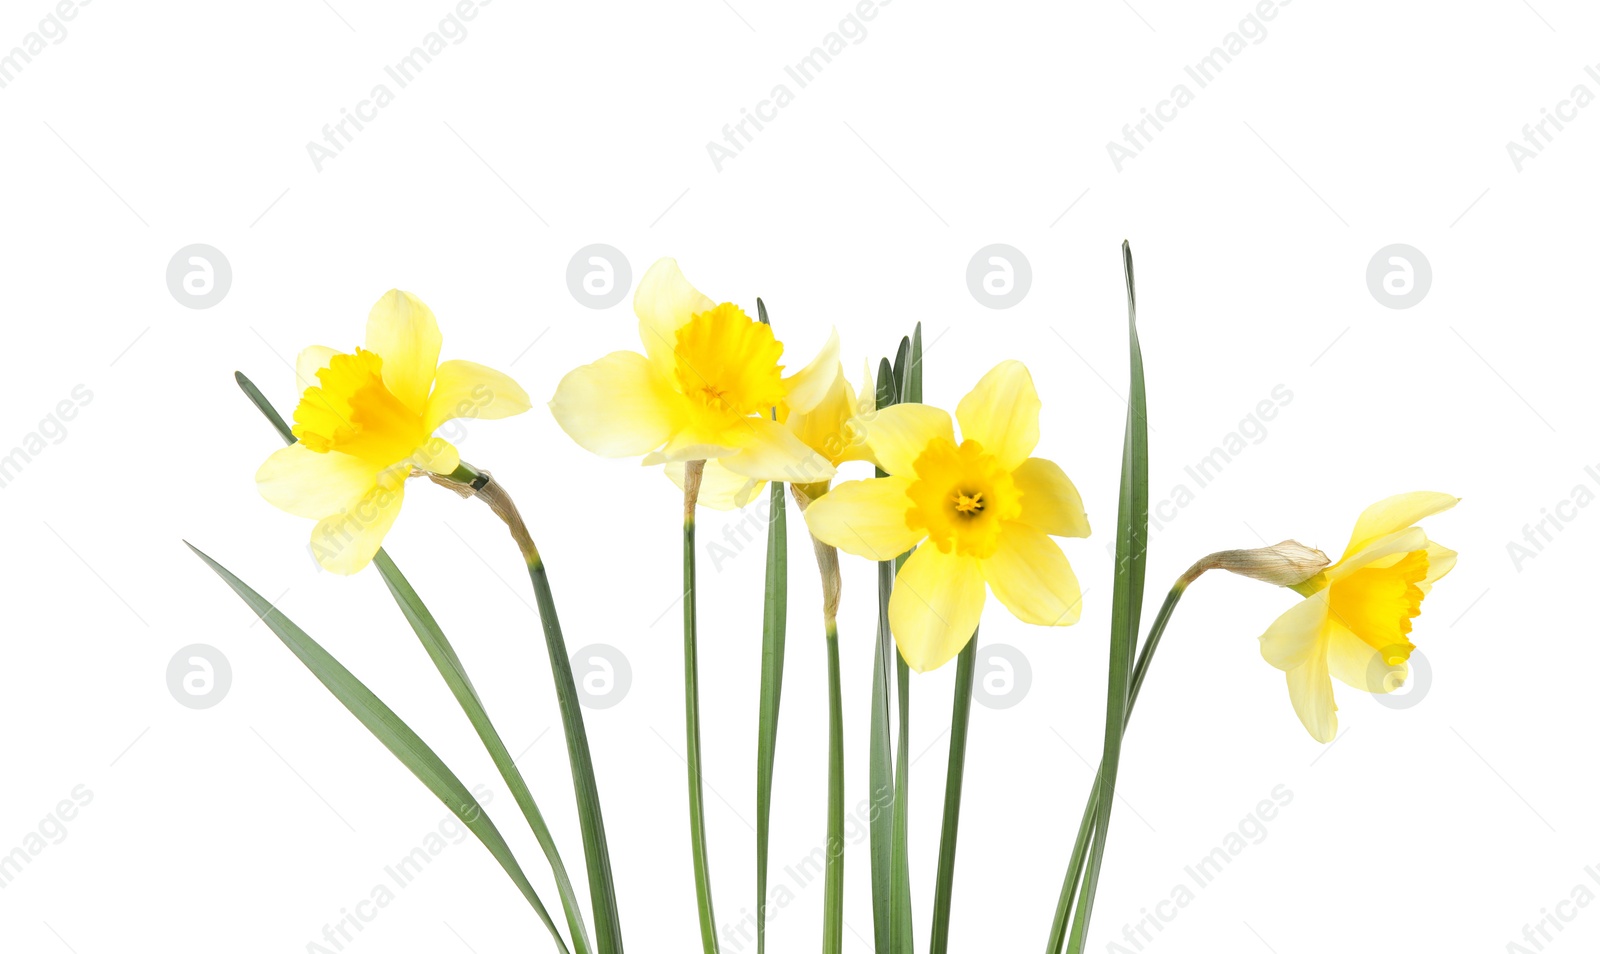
{"x":1441,"y":560}
{"x":808,"y":386}
{"x":1379,"y":553}
{"x":1311,"y":692}
{"x":346,"y":542}
{"x":899,"y":433}
{"x":720,"y":488}
{"x":437,"y":456}
{"x":1394,"y":514}
{"x":1294,"y":636}
{"x":692,"y":443}
{"x":403,"y":332}
{"x":1358,"y":665}
{"x":1049,"y":499}
{"x":830,"y":427}
{"x":1031,"y":576}
{"x":308,"y":484}
{"x":467,"y":389}
{"x":664,"y":302}
{"x":1002,"y":414}
{"x":616,"y":407}
{"x":769,"y":451}
{"x":308,"y":363}
{"x":865,"y":518}
{"x":934,"y":610}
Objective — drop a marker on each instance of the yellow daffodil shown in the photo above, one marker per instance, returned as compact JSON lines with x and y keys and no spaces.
{"x":1355,"y":620}
{"x":365,"y":423}
{"x":833,"y":429}
{"x":985,"y":508}
{"x":703,"y":390}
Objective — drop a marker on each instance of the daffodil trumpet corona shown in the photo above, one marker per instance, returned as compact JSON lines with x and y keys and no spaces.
{"x":369,"y":419}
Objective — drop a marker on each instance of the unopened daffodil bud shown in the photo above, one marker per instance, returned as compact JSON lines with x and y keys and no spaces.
{"x":1289,"y":563}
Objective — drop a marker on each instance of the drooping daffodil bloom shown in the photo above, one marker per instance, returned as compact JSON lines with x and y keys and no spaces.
{"x":833,"y":429}
{"x":366,"y":422}
{"x":1355,"y":620}
{"x":982,"y":508}
{"x":704,"y":389}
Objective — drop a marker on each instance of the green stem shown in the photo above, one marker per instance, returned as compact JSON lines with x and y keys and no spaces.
{"x":900,"y":936}
{"x":880,"y":775}
{"x":691,"y":693}
{"x":960,"y":715}
{"x":602,"y":890}
{"x":833,"y":891}
{"x":1069,"y":886}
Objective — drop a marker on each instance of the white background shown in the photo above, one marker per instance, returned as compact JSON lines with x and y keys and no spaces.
{"x":1448,"y":825}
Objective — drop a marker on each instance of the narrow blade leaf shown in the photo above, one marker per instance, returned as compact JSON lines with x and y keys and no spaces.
{"x":1126,"y":601}
{"x":392,"y":731}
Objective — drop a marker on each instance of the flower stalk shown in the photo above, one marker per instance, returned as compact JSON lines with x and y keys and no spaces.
{"x":833,"y":880}
{"x":692,"y":474}
{"x":1283,"y":564}
{"x":468,"y":482}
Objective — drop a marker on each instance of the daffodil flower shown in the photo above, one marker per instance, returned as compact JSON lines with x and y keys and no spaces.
{"x":368,"y":423}
{"x":704,"y":389}
{"x":983,"y":509}
{"x":834,"y":429}
{"x":1355,"y":620}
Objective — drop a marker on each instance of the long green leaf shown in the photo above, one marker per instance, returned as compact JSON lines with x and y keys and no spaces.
{"x":1127,"y":598}
{"x":455,"y":676}
{"x":960,"y":716}
{"x":901,"y":939}
{"x":1069,"y":885}
{"x":602,"y":887}
{"x":395,"y":735}
{"x":774,"y":628}
{"x":833,"y":884}
{"x":880,"y":773}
